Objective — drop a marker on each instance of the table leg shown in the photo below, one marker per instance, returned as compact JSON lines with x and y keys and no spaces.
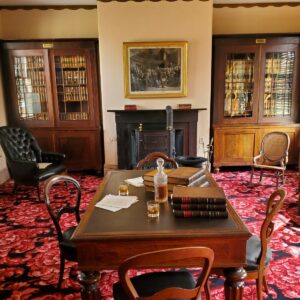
{"x":89,"y":281}
{"x":234,"y":283}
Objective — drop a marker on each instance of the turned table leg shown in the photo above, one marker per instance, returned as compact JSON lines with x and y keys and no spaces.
{"x":89,"y":282}
{"x":234,"y":283}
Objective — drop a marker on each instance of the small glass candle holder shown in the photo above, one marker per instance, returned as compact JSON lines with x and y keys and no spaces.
{"x":123,"y":190}
{"x":152,"y":209}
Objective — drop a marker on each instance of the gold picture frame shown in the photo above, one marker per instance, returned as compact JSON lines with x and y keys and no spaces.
{"x":155,"y":69}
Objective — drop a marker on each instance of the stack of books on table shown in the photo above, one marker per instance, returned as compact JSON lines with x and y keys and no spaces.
{"x":182,"y":176}
{"x":199,"y":202}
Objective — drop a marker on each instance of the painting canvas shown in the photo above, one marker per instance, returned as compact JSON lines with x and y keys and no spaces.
{"x":155,"y":69}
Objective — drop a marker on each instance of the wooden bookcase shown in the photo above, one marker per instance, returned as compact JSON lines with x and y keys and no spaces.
{"x":52,"y":90}
{"x":255,"y":91}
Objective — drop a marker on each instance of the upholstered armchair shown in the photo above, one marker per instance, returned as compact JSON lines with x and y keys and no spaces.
{"x":26,"y":162}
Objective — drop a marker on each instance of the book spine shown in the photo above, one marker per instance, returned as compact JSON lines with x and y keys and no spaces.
{"x":188,"y":200}
{"x":199,"y":214}
{"x":198,"y":206}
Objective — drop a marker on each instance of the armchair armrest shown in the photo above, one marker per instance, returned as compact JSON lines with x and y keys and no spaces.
{"x":53,"y":157}
{"x":23,"y":171}
{"x":256,"y":158}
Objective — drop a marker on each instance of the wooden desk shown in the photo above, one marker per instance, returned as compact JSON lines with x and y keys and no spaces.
{"x":104,"y":239}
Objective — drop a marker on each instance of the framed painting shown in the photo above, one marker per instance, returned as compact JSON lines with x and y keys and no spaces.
{"x":155,"y":69}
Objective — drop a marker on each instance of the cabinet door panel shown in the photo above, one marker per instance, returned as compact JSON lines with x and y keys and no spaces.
{"x":31,"y":88}
{"x":293,"y":133}
{"x":74,"y":98}
{"x":279,"y":70}
{"x":234,"y":146}
{"x":80,"y":147}
{"x":236,"y":90}
{"x":45,"y":138}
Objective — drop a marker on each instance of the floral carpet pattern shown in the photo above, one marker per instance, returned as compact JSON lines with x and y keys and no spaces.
{"x":29,"y":257}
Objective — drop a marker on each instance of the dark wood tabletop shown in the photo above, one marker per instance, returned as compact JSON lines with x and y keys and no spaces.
{"x":104,"y":238}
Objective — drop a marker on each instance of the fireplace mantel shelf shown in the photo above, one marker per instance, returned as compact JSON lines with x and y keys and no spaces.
{"x":152,"y":110}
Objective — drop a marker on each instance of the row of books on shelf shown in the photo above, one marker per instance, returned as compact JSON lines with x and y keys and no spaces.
{"x":193,"y":191}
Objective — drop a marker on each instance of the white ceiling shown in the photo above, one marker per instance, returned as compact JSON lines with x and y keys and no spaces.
{"x":94,"y":2}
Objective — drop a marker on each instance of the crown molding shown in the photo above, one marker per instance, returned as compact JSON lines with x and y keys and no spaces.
{"x":46,"y":7}
{"x":250,"y":5}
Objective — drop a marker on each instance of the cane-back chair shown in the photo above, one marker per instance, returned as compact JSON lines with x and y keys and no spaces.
{"x":273,"y":156}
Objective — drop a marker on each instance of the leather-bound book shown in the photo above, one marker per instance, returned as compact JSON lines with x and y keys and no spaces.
{"x":199,"y":206}
{"x":200,"y":214}
{"x":180,"y":176}
{"x":204,"y":195}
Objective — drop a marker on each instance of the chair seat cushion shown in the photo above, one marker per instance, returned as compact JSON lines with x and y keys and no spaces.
{"x":49,"y":171}
{"x":253,"y":250}
{"x":150,"y":283}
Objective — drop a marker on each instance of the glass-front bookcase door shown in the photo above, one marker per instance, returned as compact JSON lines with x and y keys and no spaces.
{"x":73,"y":87}
{"x":236,"y":78}
{"x":279,"y":83}
{"x":239,"y":85}
{"x":32,"y":86}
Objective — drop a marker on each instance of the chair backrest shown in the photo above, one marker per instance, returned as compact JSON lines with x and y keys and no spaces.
{"x":58,"y":206}
{"x":149,"y":162}
{"x":19,"y":144}
{"x":191,"y":256}
{"x":275,"y":146}
{"x":274,"y":204}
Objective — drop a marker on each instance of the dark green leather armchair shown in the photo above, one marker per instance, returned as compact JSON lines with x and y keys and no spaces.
{"x":26,"y":162}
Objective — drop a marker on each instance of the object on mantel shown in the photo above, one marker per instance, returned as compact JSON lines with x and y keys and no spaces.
{"x":130,"y":107}
{"x":184,"y":106}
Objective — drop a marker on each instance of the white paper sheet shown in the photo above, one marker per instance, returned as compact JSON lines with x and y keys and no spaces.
{"x":137,"y":182}
{"x":115,"y":203}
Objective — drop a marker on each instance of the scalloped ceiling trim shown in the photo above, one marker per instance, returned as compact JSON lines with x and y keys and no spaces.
{"x":249,"y":5}
{"x":45,"y":7}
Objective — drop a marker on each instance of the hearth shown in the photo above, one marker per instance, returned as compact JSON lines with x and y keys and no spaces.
{"x":142,"y":131}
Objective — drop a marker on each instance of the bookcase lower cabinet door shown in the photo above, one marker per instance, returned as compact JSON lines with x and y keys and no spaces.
{"x":234,"y":146}
{"x":81,"y":148}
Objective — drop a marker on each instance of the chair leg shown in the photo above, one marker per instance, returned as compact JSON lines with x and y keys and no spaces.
{"x":251,"y":176}
{"x":265,"y":285}
{"x":61,"y":271}
{"x":261,"y":175}
{"x":259,"y":288}
{"x":207,"y":291}
{"x":15,"y":188}
{"x":39,"y":192}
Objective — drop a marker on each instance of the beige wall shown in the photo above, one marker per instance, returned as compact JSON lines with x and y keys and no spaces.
{"x":150,"y":21}
{"x":256,"y":20}
{"x":46,"y":24}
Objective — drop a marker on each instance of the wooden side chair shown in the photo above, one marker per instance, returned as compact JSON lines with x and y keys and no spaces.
{"x":149,"y":162}
{"x":57,"y":208}
{"x":165,"y":284}
{"x":258,"y":251}
{"x":273,"y":156}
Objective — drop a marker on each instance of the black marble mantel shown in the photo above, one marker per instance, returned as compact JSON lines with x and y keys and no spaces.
{"x":127,"y":121}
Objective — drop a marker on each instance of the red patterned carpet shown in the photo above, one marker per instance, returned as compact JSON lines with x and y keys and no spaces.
{"x":29,"y":258}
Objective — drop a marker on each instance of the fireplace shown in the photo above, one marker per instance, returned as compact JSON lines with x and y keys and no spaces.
{"x":134,"y":127}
